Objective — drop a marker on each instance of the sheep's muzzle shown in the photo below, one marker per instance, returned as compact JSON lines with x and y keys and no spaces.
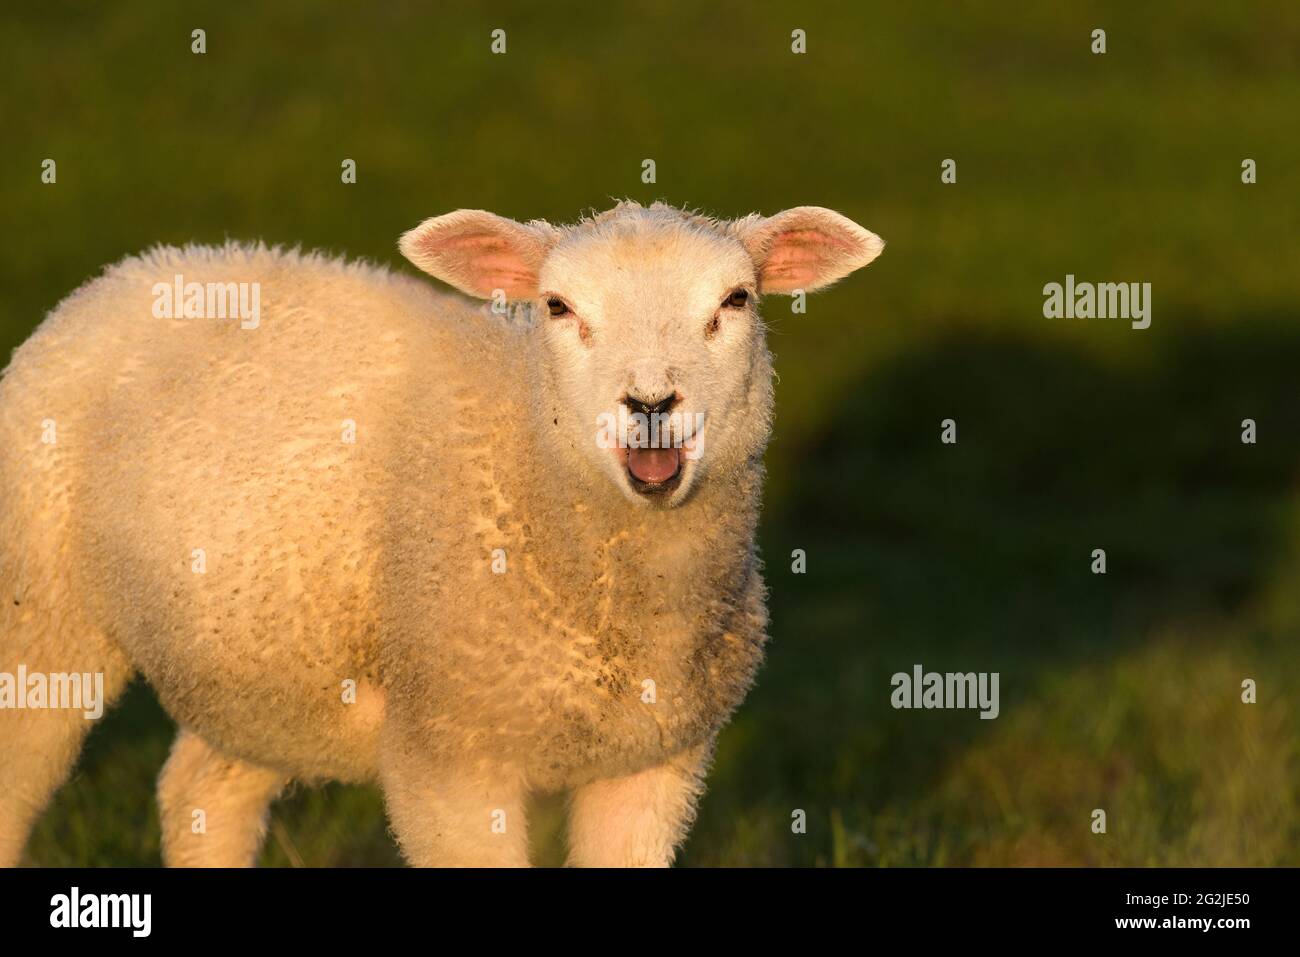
{"x":654,"y":471}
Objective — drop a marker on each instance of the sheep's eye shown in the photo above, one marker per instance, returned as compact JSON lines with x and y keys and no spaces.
{"x":557,"y":307}
{"x":737,"y":299}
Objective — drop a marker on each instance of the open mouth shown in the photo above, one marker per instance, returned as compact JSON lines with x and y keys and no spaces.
{"x":654,"y":471}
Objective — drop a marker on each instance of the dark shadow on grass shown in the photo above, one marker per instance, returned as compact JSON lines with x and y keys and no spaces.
{"x":977,"y":556}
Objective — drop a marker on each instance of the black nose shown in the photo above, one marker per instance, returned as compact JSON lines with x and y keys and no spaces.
{"x":651,"y":407}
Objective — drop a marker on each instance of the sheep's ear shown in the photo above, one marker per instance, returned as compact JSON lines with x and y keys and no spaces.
{"x":806,"y":248}
{"x":479,"y":252}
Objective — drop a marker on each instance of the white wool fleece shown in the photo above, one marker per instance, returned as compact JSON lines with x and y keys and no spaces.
{"x":373,"y":536}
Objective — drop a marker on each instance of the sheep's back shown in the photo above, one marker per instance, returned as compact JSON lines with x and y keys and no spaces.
{"x":216,"y":493}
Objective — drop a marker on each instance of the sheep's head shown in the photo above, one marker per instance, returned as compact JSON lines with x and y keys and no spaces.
{"x":654,"y":363}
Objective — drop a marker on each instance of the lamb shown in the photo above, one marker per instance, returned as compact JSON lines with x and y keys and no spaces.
{"x":376,"y":536}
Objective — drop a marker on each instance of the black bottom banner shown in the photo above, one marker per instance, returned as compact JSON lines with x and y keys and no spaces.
{"x":334,"y":907}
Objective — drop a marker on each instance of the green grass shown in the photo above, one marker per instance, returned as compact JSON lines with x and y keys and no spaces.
{"x":1119,"y":692}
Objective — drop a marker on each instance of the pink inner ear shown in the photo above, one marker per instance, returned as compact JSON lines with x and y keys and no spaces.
{"x":798,"y":257}
{"x":486,"y":262}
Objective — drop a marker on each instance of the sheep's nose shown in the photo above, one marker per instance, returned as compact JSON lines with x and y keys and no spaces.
{"x":651,"y":406}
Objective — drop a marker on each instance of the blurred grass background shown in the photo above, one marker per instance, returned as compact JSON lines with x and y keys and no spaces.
{"x":1118,"y":691}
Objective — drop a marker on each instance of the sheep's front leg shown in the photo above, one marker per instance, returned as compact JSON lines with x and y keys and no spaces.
{"x":456,"y":817}
{"x":638,"y":820}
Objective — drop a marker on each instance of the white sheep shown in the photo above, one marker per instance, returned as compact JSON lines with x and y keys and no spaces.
{"x":361,"y":530}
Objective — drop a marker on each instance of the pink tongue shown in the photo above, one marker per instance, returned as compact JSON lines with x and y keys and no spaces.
{"x":653,"y":465}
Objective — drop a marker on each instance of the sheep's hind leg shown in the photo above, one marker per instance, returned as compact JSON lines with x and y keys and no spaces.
{"x":214,"y":808}
{"x":39,"y":743}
